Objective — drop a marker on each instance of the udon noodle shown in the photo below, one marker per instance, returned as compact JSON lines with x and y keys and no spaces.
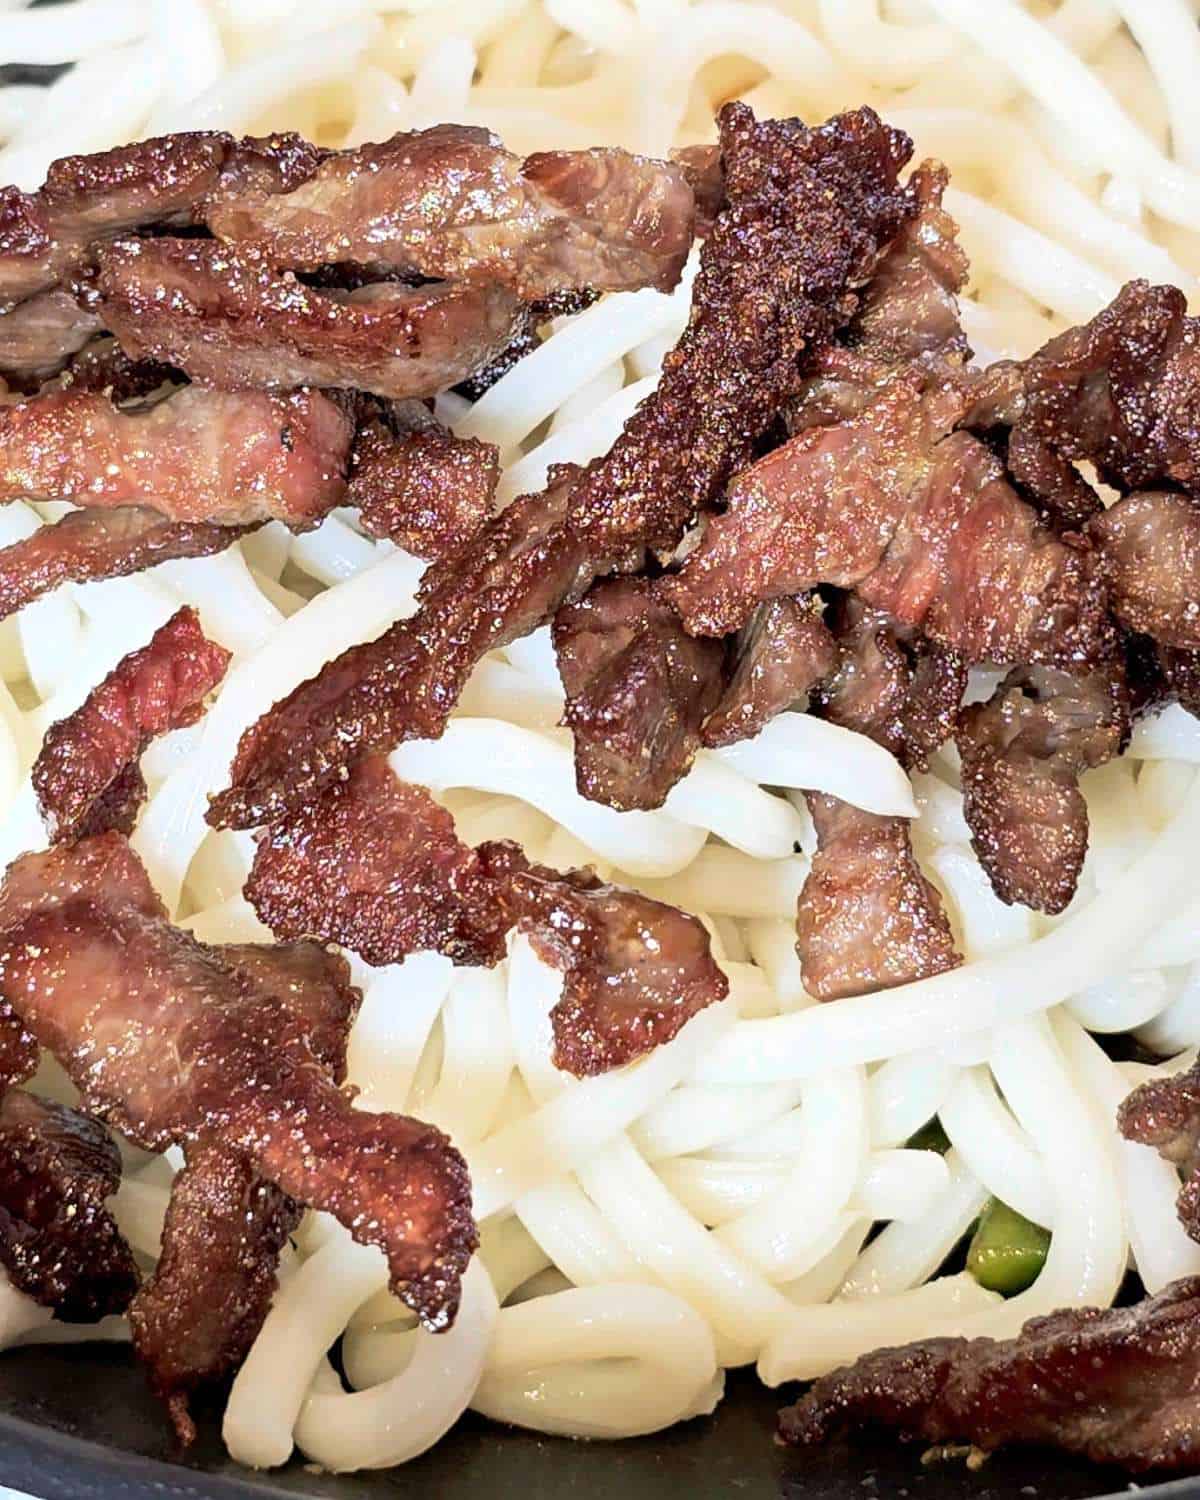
{"x":710,"y":1205}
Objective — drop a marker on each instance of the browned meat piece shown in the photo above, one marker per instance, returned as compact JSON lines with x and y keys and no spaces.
{"x":451,"y":202}
{"x":701,"y":165}
{"x":115,"y":808}
{"x":232,"y":458}
{"x":634,"y":970}
{"x":1182,"y":672}
{"x":1165,"y":1113}
{"x":1117,"y":1385}
{"x":160,"y":687}
{"x":867,"y":918}
{"x":425,"y":489}
{"x":104,"y":366}
{"x":88,"y":544}
{"x":1151,"y":547}
{"x":58,"y":1242}
{"x":18,"y":1051}
{"x":208,"y":1057}
{"x":1023,"y":752}
{"x":196,"y":1318}
{"x":638,"y":689}
{"x":1119,"y":391}
{"x":921,"y":524}
{"x":784,"y":652}
{"x":1051,"y":482}
{"x":38,"y":337}
{"x":229,"y":319}
{"x":720,"y":388}
{"x":47,"y":236}
{"x":375,"y":864}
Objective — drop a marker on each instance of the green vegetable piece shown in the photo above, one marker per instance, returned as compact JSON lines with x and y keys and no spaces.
{"x":1007,"y":1251}
{"x":930,"y":1137}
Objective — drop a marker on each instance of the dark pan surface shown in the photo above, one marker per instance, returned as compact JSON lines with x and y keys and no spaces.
{"x":76,"y":1423}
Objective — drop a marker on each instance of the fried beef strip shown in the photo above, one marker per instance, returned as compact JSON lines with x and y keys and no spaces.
{"x":104,"y":366}
{"x":374,"y":863}
{"x":231,"y":458}
{"x":195,"y":1319}
{"x":452,"y":202}
{"x":47,"y":236}
{"x":1118,"y":391}
{"x":1151,"y":546}
{"x":867,"y":918}
{"x":784,"y":651}
{"x":58,"y":1242}
{"x":207,"y":1056}
{"x":764,"y":294}
{"x":421,"y":487}
{"x":919,"y":520}
{"x":83,"y":757}
{"x":1023,"y":752}
{"x":89,"y":544}
{"x":38,"y":337}
{"x":638,"y":690}
{"x":230,"y":319}
{"x":1117,"y":1385}
{"x":1165,"y":1113}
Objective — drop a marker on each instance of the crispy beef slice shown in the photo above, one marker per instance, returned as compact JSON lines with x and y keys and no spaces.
{"x":764,"y":293}
{"x":867,"y":918}
{"x":1023,"y":752}
{"x":1165,"y":1113}
{"x":1119,"y":391}
{"x":58,"y":1242}
{"x":49,"y":235}
{"x":229,"y":319}
{"x":109,"y":543}
{"x":638,"y":689}
{"x":426,"y":490}
{"x":160,"y":687}
{"x":919,"y":521}
{"x":39,"y":337}
{"x":784,"y":651}
{"x":634,"y":970}
{"x":1117,"y":1385}
{"x":701,"y":165}
{"x":375,"y":864}
{"x":1151,"y":547}
{"x":196,"y":1318}
{"x":231,"y":458}
{"x":452,"y":202}
{"x":206,"y":1056}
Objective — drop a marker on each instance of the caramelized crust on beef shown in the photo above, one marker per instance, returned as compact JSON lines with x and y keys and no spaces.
{"x":232,"y":458}
{"x":634,"y":970}
{"x":782,"y":654}
{"x":1151,"y":547}
{"x":85,"y":756}
{"x":425,"y":489}
{"x":638,"y":689}
{"x":1023,"y":752}
{"x":1118,"y":391}
{"x":58,"y":1242}
{"x":229,"y":319}
{"x":375,"y":864}
{"x":1116,"y":1385}
{"x":108,"y":543}
{"x":867,"y":918}
{"x":1165,"y":1113}
{"x":207,"y":1056}
{"x":452,"y":202}
{"x":764,"y":294}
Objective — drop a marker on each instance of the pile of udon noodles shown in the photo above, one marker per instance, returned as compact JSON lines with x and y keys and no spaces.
{"x":709,"y":1205}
